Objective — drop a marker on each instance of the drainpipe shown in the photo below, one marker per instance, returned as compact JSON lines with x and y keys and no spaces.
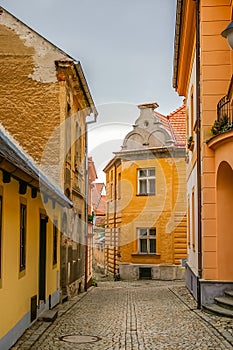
{"x":114,"y":222}
{"x":198,"y":133}
{"x":86,"y":201}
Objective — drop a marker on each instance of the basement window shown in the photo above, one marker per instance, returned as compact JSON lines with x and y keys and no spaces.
{"x":145,"y":273}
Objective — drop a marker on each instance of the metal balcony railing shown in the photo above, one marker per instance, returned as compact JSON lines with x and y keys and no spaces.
{"x":225,"y":112}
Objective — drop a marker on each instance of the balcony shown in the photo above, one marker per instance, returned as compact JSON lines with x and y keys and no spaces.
{"x":224,"y":121}
{"x":222,"y":129}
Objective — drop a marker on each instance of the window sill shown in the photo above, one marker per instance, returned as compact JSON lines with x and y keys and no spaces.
{"x":145,"y":194}
{"x":146,"y":254}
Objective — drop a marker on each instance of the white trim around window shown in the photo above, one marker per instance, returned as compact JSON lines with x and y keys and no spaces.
{"x":146,"y":181}
{"x":146,"y":240}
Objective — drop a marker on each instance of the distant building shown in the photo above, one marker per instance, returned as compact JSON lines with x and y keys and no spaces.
{"x":145,"y":235}
{"x":92,"y":176}
{"x":29,"y":241}
{"x":99,"y":210}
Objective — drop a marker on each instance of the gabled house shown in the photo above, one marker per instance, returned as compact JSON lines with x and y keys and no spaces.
{"x":29,"y":240}
{"x":44,"y":103}
{"x":203,"y":74}
{"x":145,"y":234}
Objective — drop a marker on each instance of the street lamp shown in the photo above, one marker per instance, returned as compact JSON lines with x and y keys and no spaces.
{"x":228,"y":34}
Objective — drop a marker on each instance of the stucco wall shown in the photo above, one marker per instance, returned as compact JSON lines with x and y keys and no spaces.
{"x":29,"y":100}
{"x":17,"y":288}
{"x":166,"y":211}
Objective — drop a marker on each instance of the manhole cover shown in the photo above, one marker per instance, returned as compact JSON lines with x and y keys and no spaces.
{"x":79,"y":339}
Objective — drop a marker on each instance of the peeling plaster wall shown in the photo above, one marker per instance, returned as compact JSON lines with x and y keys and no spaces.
{"x":44,"y":52}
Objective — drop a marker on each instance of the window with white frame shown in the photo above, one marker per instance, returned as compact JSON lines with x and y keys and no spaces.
{"x":146,"y":181}
{"x":147,"y":240}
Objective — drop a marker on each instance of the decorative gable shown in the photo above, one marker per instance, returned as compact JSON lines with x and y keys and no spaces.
{"x":148,"y":131}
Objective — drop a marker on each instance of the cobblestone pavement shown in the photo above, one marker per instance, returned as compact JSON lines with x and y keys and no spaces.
{"x":140,"y":315}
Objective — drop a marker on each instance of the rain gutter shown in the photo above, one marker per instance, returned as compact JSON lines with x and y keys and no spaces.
{"x":198,"y":136}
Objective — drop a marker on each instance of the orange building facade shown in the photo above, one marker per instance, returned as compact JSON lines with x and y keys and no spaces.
{"x":203,"y":74}
{"x":145,"y":234}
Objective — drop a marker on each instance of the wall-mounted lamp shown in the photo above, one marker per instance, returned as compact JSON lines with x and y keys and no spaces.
{"x":228,"y":34}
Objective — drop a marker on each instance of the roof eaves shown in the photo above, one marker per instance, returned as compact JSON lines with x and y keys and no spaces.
{"x":24,"y":163}
{"x":179,"y":6}
{"x":79,"y":70}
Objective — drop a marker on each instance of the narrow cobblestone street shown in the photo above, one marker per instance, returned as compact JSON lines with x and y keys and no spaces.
{"x":140,"y":315}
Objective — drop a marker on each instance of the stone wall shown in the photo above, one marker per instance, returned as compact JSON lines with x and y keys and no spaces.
{"x":162,"y":272}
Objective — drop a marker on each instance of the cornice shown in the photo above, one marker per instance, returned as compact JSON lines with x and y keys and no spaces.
{"x":185,"y":39}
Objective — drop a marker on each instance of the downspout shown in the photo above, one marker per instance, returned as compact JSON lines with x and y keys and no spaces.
{"x":198,"y":134}
{"x":114,"y":222}
{"x":86,"y":201}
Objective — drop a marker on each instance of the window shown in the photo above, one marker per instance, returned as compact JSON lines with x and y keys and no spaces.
{"x":119,"y":186}
{"x":68,"y":139}
{"x":146,"y":181}
{"x":191,"y":113}
{"x":23,"y":216}
{"x":188,"y":221}
{"x":78,"y":145}
{"x":111,"y":191}
{"x":0,"y":237}
{"x":55,"y":242}
{"x":193,"y":220}
{"x":147,"y":240}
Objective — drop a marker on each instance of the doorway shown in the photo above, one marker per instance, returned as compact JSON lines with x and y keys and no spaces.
{"x":224,"y":221}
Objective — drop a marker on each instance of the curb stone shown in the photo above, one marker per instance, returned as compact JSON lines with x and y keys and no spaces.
{"x":223,"y":325}
{"x":37,"y":329}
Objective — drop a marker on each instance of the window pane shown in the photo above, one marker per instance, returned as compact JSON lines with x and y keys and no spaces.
{"x":152,"y":246}
{"x":142,"y":187}
{"x":151,"y":172}
{"x":152,"y":186}
{"x":152,"y":232}
{"x":143,"y":245}
{"x":142,"y":173}
{"x":143,"y":231}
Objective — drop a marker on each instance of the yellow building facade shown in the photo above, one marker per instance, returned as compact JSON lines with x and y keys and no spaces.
{"x":203,"y":74}
{"x":145,"y":235}
{"x":29,"y":241}
{"x":48,"y":102}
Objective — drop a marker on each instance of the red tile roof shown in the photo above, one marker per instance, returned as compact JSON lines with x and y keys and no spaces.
{"x":101,"y":206}
{"x":98,"y":200}
{"x":175,"y":122}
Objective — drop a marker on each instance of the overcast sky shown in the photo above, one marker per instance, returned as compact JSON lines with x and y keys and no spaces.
{"x":124,"y":46}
